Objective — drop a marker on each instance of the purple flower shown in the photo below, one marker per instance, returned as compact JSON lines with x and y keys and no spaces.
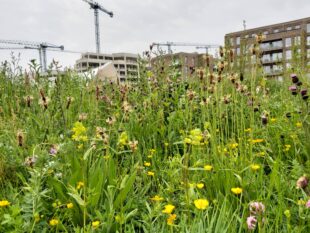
{"x":303,"y":92}
{"x":302,"y":182}
{"x":53,"y":150}
{"x":308,"y":204}
{"x":251,"y":222}
{"x":294,"y":78}
{"x":257,"y":208}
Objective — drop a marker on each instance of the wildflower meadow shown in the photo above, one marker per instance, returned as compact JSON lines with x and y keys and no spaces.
{"x":223,"y":150}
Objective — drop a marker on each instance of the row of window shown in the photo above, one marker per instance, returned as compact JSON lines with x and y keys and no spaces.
{"x":267,"y":32}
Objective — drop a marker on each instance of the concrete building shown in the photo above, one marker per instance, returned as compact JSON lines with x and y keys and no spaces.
{"x":283,"y":45}
{"x":187,"y":62}
{"x":126,"y":64}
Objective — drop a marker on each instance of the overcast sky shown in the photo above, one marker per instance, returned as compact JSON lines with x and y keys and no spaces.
{"x":136,"y":23}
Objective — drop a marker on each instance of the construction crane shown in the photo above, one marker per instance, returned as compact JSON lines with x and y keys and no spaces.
{"x":40,"y":46}
{"x":197,"y":45}
{"x":96,"y":6}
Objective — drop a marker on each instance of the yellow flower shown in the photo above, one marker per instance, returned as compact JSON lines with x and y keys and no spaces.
{"x":273,"y":120}
{"x":79,"y":132}
{"x":80,"y":185}
{"x":168,"y":209}
{"x":301,"y":202}
{"x":147,"y":164}
{"x":53,"y":222}
{"x":187,"y":141}
{"x":236,"y":190}
{"x":208,"y":167}
{"x":287,"y":213}
{"x":4,"y":203}
{"x":95,"y":224}
{"x":171,"y":219}
{"x":157,"y":198}
{"x":166,"y":144}
{"x":255,"y":167}
{"x":70,"y":205}
{"x":233,"y":146}
{"x":248,"y":130}
{"x":123,"y":139}
{"x":262,"y":153}
{"x":150,"y":173}
{"x":298,"y":124}
{"x":287,"y":148}
{"x":201,"y":204}
{"x":253,"y":141}
{"x":200,"y":185}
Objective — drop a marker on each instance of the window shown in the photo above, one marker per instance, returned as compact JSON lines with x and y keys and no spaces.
{"x":289,"y":28}
{"x":267,"y":69}
{"x":265,"y":32}
{"x":238,"y":51}
{"x":308,"y":40}
{"x":308,"y":53}
{"x":231,"y":41}
{"x":277,"y":56}
{"x":288,"y":42}
{"x":253,"y":35}
{"x":288,"y":54}
{"x":276,"y":30}
{"x":238,"y":40}
{"x":308,"y":27}
{"x":297,"y":27}
{"x":266,"y":58}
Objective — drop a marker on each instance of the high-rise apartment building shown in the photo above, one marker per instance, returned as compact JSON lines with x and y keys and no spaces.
{"x":126,"y":64}
{"x":283,"y":45}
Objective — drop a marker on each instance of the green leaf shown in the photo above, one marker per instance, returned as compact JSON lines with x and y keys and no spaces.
{"x":123,"y":193}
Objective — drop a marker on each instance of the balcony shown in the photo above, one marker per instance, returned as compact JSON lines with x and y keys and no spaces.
{"x":271,"y":60}
{"x":271,"y":48}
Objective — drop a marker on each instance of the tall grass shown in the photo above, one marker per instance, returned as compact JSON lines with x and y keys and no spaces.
{"x":153,"y":137}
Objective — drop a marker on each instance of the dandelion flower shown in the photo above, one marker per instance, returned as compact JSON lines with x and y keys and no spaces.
{"x":95,"y":224}
{"x":53,"y":222}
{"x":201,"y":204}
{"x":157,"y":198}
{"x":168,"y":209}
{"x":70,"y":205}
{"x":171,"y":219}
{"x":147,"y":164}
{"x":298,"y":124}
{"x":236,"y":190}
{"x":255,"y":167}
{"x":80,"y":185}
{"x":200,"y":185}
{"x":4,"y":203}
{"x":149,"y":173}
{"x":208,"y":167}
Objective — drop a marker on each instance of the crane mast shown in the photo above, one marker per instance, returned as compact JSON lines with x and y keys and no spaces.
{"x":96,"y":7}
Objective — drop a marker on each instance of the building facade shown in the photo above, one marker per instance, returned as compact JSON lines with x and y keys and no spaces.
{"x":283,"y":46}
{"x":186,"y":62}
{"x":126,"y":64}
